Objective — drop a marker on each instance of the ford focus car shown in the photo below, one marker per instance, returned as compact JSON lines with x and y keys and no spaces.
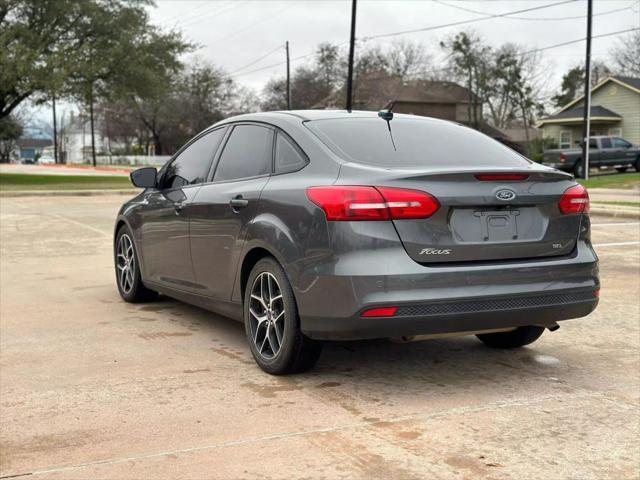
{"x":328,"y":225}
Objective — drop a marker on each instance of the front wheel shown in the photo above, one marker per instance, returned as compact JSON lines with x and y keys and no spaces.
{"x":621,"y":169}
{"x":519,"y":337}
{"x":637,"y":164}
{"x":127,"y":264}
{"x":272,"y":324}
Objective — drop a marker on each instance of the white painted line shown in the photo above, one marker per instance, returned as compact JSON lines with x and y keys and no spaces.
{"x":614,"y":224}
{"x":525,"y":401}
{"x":71,"y":220}
{"x":616,"y":244}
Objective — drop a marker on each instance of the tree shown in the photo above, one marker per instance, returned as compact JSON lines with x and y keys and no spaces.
{"x":572,"y":85}
{"x":470,"y":61}
{"x":626,"y":55}
{"x":10,"y":131}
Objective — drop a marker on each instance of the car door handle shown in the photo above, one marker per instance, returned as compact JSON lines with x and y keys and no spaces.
{"x":238,"y":202}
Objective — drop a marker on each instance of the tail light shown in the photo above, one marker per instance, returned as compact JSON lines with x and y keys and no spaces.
{"x":574,"y":200}
{"x":351,"y":203}
{"x":502,"y":177}
{"x":562,"y":157}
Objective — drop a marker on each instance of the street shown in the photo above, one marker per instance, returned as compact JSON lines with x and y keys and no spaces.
{"x":92,"y":387}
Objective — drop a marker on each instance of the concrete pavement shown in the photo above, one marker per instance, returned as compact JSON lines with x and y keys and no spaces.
{"x":91,"y":387}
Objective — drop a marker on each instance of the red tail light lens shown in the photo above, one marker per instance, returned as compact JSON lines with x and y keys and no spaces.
{"x":352,"y":203}
{"x":407,"y":204}
{"x":562,"y":157}
{"x":502,"y":177}
{"x":380,"y":312}
{"x":574,"y":200}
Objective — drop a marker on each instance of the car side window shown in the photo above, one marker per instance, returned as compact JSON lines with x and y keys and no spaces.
{"x":620,"y":143}
{"x":605,"y":142}
{"x":191,"y":166}
{"x":593,"y":143}
{"x":248,"y":153}
{"x":289,"y":157}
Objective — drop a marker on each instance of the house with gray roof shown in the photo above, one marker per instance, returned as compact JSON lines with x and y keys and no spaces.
{"x":615,"y":111}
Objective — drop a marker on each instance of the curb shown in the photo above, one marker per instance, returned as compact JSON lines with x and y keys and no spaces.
{"x":65,"y":193}
{"x":633,"y":213}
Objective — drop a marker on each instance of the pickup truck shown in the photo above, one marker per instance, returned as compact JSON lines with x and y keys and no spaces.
{"x":603,"y":152}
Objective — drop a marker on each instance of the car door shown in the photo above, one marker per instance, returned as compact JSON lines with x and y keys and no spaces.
{"x":607,"y":153}
{"x":623,"y":154}
{"x":165,"y":213}
{"x":224,"y":207}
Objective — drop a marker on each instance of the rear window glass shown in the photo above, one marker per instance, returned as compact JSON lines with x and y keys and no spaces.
{"x":418,"y":143}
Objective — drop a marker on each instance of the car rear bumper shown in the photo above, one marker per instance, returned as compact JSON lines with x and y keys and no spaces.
{"x":332,"y":293}
{"x":461,"y":315}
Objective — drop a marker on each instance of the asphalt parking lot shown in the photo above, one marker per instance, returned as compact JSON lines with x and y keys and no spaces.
{"x":91,"y":387}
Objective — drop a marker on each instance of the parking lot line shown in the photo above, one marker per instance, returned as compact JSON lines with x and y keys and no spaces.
{"x":615,"y":244}
{"x":614,"y":224}
{"x":527,"y":401}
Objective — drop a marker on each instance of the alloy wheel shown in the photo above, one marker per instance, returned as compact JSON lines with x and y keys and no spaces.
{"x":266,"y":315}
{"x":126,"y":262}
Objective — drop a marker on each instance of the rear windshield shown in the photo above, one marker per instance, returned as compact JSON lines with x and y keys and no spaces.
{"x":416,"y":143}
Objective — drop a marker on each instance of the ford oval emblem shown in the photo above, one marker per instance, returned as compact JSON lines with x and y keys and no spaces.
{"x":505,"y":195}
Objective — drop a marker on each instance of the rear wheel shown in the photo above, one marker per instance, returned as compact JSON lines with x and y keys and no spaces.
{"x":128,"y":276}
{"x":519,"y":337}
{"x":621,"y":169}
{"x":637,"y":164}
{"x":272,"y":324}
{"x":578,"y":169}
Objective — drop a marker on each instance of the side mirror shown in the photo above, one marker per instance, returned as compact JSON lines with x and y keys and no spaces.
{"x":144,"y":177}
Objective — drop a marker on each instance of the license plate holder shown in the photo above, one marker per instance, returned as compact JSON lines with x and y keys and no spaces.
{"x":498,"y":225}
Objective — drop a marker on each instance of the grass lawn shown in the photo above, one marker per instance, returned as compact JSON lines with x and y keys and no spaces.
{"x":19,"y":181}
{"x":623,"y":180}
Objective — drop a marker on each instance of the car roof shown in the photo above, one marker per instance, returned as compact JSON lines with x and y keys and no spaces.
{"x":307,"y":115}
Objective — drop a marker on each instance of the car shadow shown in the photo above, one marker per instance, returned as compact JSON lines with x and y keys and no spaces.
{"x":438,"y":362}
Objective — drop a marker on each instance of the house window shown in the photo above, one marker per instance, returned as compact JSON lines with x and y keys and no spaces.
{"x":565,"y":139}
{"x":615,"y":132}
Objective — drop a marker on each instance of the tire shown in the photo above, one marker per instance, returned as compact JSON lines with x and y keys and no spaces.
{"x":637,"y":164}
{"x":519,"y":337}
{"x":272,"y":324}
{"x":621,"y":169}
{"x":128,"y":278}
{"x":578,"y":169}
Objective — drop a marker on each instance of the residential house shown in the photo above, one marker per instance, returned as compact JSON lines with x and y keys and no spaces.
{"x":427,"y":98}
{"x":31,"y":145}
{"x":615,"y":111}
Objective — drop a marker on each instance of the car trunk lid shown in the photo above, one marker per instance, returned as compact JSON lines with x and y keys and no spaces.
{"x":489,"y":218}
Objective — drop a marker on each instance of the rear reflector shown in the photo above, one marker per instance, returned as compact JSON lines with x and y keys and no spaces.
{"x":356,"y":203}
{"x":574,"y":200}
{"x":596,"y":293}
{"x":502,"y":177}
{"x":380,"y":312}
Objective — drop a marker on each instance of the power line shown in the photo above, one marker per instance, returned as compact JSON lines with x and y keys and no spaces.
{"x":546,"y":19}
{"x":579,"y":40}
{"x":252,"y":63}
{"x":464,"y":22}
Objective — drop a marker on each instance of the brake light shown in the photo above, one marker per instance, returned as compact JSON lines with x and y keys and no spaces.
{"x":502,"y":177}
{"x":356,"y":203}
{"x":380,"y":312}
{"x":574,"y":200}
{"x":562,"y":157}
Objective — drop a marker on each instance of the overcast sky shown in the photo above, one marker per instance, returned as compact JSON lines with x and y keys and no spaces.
{"x":233,"y":34}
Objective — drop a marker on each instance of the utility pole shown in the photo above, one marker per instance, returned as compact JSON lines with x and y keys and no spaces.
{"x":286,"y":46}
{"x":93,"y":135}
{"x":586,"y":130}
{"x":352,"y":45}
{"x":55,"y":129}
